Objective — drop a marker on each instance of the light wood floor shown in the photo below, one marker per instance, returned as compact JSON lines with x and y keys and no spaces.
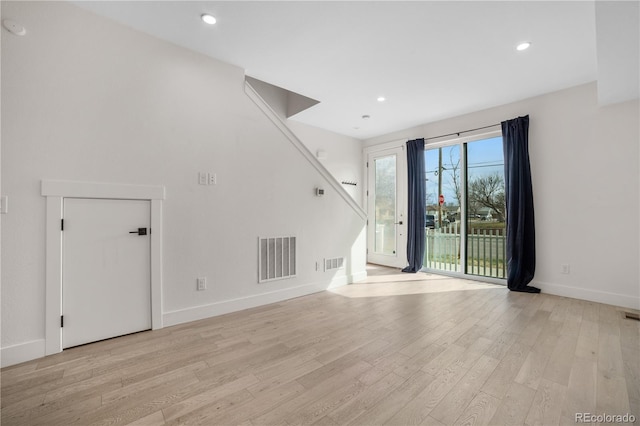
{"x":398,"y":349}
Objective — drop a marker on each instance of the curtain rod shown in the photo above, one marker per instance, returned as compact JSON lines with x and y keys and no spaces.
{"x":463,"y":131}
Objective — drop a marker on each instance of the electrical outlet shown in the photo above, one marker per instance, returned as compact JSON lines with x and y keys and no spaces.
{"x":203,"y":178}
{"x":212,"y":178}
{"x":564,"y":268}
{"x":202,"y":283}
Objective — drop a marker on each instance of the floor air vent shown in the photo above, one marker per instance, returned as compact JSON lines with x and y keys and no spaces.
{"x":631,"y":315}
{"x":335,"y":263}
{"x":277,"y":258}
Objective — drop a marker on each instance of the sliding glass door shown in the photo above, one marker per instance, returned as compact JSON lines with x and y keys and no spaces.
{"x":465,"y":207}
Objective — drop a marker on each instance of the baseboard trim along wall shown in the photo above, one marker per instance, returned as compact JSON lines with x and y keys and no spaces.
{"x":614,"y":299}
{"x":34,"y":349}
{"x":22,"y":352}
{"x":234,"y":305}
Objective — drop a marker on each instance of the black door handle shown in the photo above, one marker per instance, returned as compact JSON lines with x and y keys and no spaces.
{"x":140,"y":231}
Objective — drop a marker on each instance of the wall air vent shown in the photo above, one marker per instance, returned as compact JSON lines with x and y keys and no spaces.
{"x":631,"y":315}
{"x":334,"y":263}
{"x":276,"y":258}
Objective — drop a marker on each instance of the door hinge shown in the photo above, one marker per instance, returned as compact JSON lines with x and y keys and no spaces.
{"x":367,"y":164}
{"x":62,"y":224}
{"x":367,"y":192}
{"x":61,"y":321}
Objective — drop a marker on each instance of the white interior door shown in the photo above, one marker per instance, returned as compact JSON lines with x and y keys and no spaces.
{"x":106,"y":270}
{"x":386,"y":206}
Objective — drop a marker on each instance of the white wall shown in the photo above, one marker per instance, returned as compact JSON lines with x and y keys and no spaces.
{"x":585,"y":171}
{"x":343,"y":154}
{"x":86,"y":99}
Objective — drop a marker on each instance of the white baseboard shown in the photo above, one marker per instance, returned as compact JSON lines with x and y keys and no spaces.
{"x":227,"y":306}
{"x":358,"y":276}
{"x":615,"y":299}
{"x":22,"y":352}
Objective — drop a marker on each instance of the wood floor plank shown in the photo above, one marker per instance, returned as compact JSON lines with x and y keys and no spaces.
{"x":547,"y":346}
{"x":295,"y":372}
{"x":587,"y":344}
{"x":207,"y":397}
{"x":420,"y":360}
{"x":383,"y":367}
{"x":581,"y":391}
{"x":631,"y":366}
{"x":480,"y":410}
{"x":153,"y":419}
{"x":418,"y":408}
{"x":515,"y":406}
{"x":369,"y":397}
{"x":564,"y":353}
{"x":503,"y":376}
{"x":240,"y":413}
{"x":312,"y":412}
{"x":395,"y":401}
{"x":547,"y":404}
{"x":394,"y":349}
{"x":450,"y":407}
{"x":208,"y":413}
{"x":322,"y":386}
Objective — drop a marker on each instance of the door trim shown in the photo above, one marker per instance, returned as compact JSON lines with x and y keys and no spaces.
{"x":55,"y":191}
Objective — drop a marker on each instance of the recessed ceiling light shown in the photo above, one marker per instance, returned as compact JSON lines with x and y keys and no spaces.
{"x":366,"y":117}
{"x":523,"y":46}
{"x":208,"y":19}
{"x":381,"y":99}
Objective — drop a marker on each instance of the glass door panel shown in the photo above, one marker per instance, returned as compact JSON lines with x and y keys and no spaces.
{"x":485,"y":208}
{"x":444,"y":192}
{"x":386,"y":205}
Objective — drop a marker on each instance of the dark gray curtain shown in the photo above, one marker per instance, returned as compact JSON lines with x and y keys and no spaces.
{"x":416,"y":214}
{"x":521,"y":238}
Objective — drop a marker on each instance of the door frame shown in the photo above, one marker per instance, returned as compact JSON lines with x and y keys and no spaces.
{"x":55,"y":191}
{"x":395,"y":147}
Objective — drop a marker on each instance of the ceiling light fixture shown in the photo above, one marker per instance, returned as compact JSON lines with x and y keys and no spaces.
{"x":381,"y":99}
{"x":366,"y":117}
{"x":523,"y":46}
{"x":208,"y":19}
{"x":13,"y":27}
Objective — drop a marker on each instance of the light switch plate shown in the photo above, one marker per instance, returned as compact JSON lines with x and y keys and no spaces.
{"x":4,"y":204}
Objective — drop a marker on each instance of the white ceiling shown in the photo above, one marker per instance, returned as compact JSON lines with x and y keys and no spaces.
{"x":431,"y":60}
